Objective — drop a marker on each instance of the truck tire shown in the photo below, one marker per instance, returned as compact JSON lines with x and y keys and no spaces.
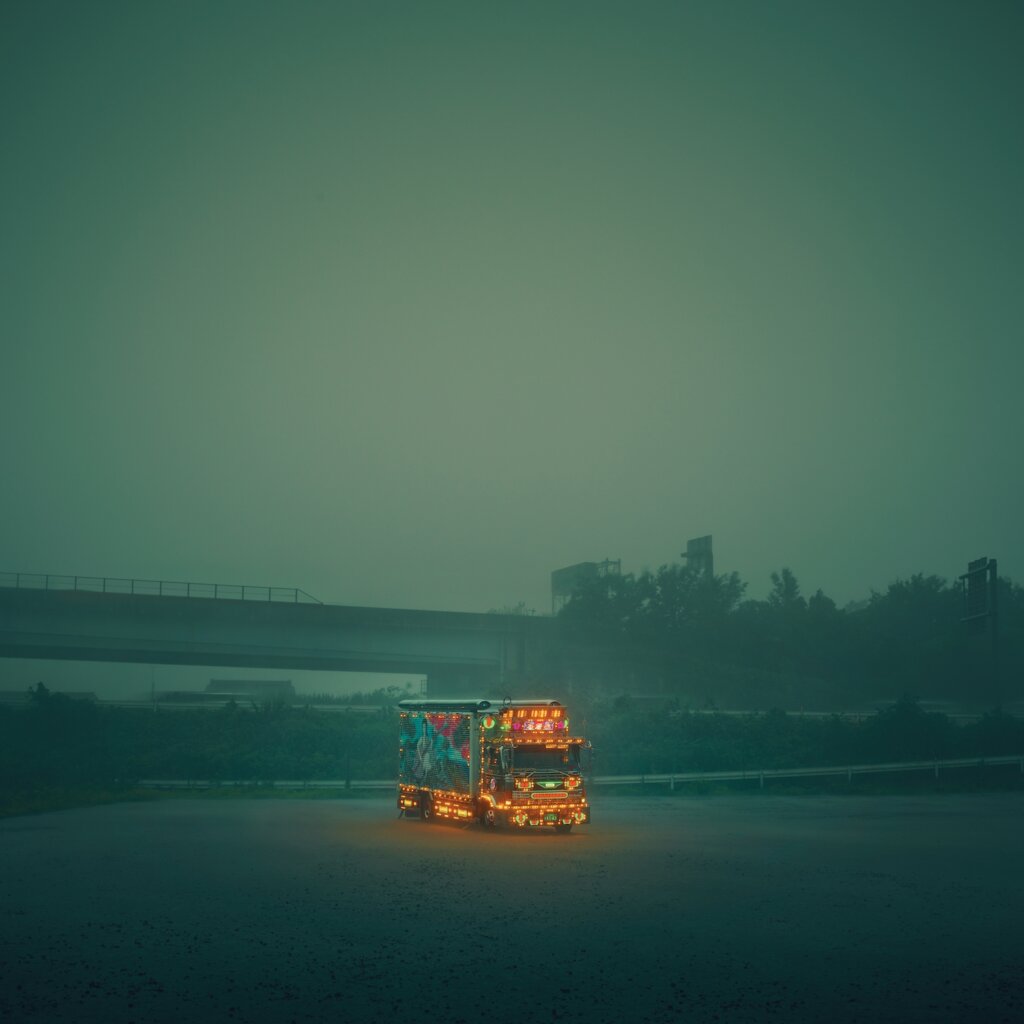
{"x":426,"y":808}
{"x":561,"y":827}
{"x":488,"y":817}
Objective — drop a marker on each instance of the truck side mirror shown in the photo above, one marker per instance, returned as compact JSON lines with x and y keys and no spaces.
{"x":506,"y":760}
{"x":586,"y":759}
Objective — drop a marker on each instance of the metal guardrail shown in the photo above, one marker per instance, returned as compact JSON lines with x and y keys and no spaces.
{"x":154,"y":588}
{"x":671,"y":780}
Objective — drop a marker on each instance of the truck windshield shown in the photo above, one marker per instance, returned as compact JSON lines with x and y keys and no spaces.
{"x":538,"y":758}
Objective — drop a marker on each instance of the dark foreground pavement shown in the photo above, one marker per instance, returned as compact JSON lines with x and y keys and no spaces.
{"x":733,"y":909}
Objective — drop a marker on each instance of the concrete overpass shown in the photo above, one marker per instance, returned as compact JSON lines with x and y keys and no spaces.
{"x":458,"y":652}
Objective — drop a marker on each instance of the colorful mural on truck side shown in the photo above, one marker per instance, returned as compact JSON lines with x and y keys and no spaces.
{"x":435,"y":751}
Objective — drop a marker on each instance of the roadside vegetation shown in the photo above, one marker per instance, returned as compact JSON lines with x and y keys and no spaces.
{"x":60,"y":752}
{"x":648,"y":738}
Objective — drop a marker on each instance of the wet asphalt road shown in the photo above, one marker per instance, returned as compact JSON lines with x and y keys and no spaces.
{"x":734,"y":909}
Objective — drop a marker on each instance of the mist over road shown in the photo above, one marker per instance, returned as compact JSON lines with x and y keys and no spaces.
{"x":738,"y":908}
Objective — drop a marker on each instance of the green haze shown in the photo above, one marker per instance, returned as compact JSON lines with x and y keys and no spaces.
{"x":410,"y":304}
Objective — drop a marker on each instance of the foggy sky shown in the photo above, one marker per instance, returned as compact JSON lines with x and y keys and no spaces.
{"x":410,"y":304}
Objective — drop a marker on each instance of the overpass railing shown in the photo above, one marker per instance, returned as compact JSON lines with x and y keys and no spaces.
{"x":154,"y":588}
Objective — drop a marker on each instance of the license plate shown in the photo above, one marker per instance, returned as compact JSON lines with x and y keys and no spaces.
{"x":551,"y":817}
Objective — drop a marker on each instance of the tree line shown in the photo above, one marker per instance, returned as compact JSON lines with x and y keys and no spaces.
{"x":686,"y":634}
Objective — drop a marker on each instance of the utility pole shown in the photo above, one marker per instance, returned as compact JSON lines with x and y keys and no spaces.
{"x":981,"y":594}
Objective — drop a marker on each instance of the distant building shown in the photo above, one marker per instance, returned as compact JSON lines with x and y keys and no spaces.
{"x":254,"y":689}
{"x":699,"y":555}
{"x":186,"y":697}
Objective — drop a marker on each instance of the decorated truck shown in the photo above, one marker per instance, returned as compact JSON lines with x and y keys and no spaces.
{"x":515,"y":763}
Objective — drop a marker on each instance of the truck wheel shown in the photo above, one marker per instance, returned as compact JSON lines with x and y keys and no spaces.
{"x":488,"y":817}
{"x":426,"y":808}
{"x":563,"y":827}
